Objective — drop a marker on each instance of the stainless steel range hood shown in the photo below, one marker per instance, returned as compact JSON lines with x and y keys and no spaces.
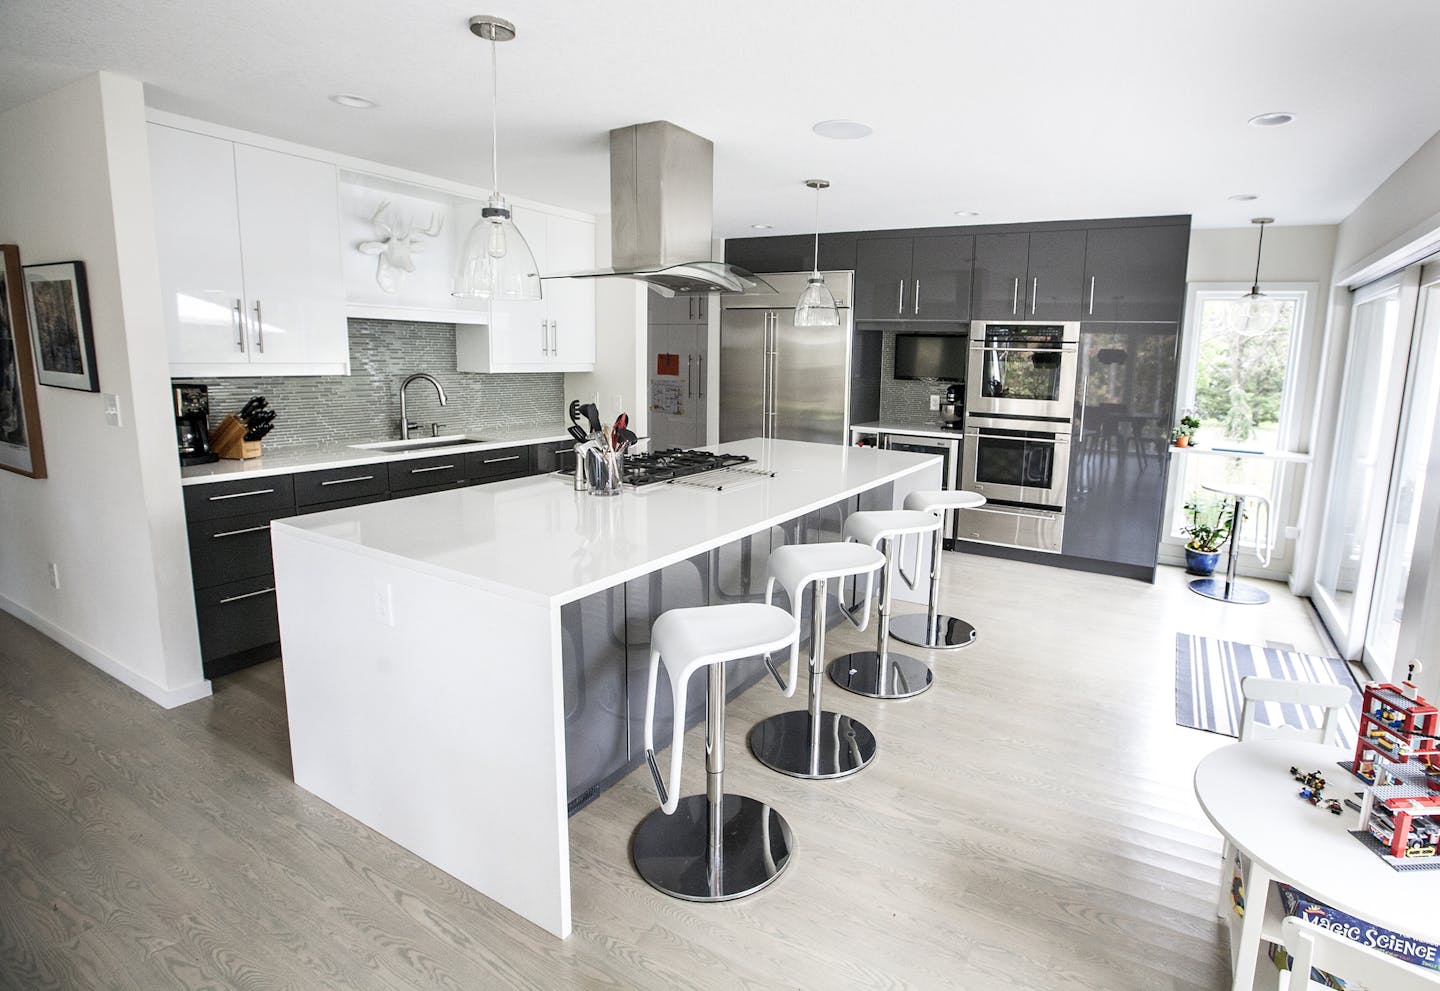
{"x":661,"y":179}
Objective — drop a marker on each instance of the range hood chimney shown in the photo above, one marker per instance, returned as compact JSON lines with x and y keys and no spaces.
{"x":661,"y":180}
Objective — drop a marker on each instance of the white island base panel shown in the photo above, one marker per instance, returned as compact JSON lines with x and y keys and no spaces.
{"x":412,"y":728}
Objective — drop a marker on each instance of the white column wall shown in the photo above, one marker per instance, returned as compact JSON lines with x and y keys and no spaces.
{"x":620,"y":343}
{"x":74,"y":184}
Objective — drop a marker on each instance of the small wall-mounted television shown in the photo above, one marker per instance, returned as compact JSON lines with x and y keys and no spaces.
{"x":931,"y":356}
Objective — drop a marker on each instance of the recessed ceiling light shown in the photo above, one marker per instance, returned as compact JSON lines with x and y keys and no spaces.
{"x":844,"y":130}
{"x":967,"y":213}
{"x":1243,"y":197}
{"x":353,"y":102}
{"x":1274,"y":119}
{"x":761,"y":227}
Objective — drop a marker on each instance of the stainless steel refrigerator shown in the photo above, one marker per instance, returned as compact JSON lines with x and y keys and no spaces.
{"x":779,"y":380}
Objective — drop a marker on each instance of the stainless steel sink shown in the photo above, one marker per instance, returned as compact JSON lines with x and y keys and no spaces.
{"x":421,"y":444}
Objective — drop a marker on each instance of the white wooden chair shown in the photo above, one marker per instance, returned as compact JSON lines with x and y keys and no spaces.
{"x":1333,"y":699}
{"x":1357,"y":965}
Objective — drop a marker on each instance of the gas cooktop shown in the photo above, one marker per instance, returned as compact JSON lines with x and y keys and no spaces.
{"x":659,"y":467}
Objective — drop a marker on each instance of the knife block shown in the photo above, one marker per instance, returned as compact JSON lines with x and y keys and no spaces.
{"x":228,"y":440}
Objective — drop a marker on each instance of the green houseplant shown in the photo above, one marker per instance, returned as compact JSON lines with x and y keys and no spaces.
{"x":1184,"y":432}
{"x":1208,"y":529}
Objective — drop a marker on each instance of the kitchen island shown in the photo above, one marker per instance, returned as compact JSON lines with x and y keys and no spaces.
{"x":445,"y":655}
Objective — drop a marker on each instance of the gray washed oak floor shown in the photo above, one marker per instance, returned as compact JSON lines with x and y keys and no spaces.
{"x":1029,"y":823}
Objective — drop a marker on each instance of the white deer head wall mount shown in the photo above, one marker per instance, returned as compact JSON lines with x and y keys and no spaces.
{"x":395,"y":246}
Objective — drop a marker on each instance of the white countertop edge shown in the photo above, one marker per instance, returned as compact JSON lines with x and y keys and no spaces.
{"x":288,"y":524}
{"x":918,"y":429}
{"x":302,"y":459}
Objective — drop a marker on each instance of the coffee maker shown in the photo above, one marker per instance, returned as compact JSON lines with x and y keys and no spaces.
{"x":952,"y":407}
{"x":192,"y":425}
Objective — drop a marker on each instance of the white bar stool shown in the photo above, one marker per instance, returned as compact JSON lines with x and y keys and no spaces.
{"x":814,"y":742}
{"x":1231,"y":590}
{"x":877,"y":673}
{"x":934,"y":630}
{"x":710,"y":847}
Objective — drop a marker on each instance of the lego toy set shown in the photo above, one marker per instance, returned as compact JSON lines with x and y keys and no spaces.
{"x":1398,"y":757}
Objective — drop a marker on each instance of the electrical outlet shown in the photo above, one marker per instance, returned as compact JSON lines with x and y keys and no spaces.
{"x":384,"y":603}
{"x":112,"y":409}
{"x":934,"y":404}
{"x":54,"y":574}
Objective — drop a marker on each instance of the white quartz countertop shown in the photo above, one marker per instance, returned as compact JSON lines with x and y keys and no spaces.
{"x":902,"y":427}
{"x":313,"y":457}
{"x":538,"y":539}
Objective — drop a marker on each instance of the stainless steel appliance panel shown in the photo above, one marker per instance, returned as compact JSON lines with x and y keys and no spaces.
{"x":1017,"y":460}
{"x":1022,"y":368}
{"x":810,"y":380}
{"x":1011,"y":526}
{"x":744,"y":374}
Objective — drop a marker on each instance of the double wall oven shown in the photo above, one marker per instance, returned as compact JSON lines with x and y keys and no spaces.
{"x":1019,"y":403}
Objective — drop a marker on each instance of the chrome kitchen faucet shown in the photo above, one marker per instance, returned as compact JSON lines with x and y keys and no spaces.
{"x":405,"y":423}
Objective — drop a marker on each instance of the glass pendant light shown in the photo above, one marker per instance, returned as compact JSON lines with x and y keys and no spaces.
{"x":495,"y":262}
{"x":1258,"y":313}
{"x":816,"y":307}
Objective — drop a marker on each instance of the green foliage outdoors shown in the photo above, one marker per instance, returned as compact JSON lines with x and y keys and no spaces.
{"x":1239,"y":379}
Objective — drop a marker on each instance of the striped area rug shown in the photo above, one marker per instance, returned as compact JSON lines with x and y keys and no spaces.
{"x":1207,"y":685}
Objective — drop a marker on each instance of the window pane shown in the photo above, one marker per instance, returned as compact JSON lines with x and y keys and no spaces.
{"x":1240,"y":374}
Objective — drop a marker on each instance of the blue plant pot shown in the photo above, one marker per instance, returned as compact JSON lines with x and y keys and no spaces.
{"x":1201,"y":562}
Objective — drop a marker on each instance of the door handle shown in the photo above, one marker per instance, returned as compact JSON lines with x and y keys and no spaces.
{"x":239,"y":325}
{"x":900,"y":307}
{"x":917,"y":297}
{"x":1092,"y":295}
{"x":544,"y":337}
{"x":1015,"y":297}
{"x":1034,"y":293}
{"x":700,"y":376}
{"x":689,"y":375}
{"x":259,"y":329}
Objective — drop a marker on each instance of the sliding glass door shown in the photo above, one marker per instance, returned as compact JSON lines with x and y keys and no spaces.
{"x":1380,"y":323}
{"x":1413,"y":455}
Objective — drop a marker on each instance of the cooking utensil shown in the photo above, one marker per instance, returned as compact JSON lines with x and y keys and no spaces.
{"x":590,"y":412}
{"x":624,"y":438}
{"x":578,"y":432}
{"x":574,"y":411}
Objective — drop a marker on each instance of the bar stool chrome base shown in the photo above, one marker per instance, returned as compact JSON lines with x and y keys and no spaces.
{"x":784,"y":743}
{"x":674,"y":854}
{"x":1228,"y":591}
{"x":948,"y":633}
{"x":896,"y":676}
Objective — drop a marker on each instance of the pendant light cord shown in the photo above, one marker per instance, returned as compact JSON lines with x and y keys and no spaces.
{"x":817,"y":232}
{"x":1259,"y":247}
{"x":495,"y":127}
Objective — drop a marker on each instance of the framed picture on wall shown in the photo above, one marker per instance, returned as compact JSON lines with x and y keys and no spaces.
{"x":59,"y":310}
{"x":21,"y":449}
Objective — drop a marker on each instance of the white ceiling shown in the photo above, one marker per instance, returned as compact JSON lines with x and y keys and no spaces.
{"x":1040,"y":110}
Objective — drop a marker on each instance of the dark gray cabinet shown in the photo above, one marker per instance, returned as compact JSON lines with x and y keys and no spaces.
{"x":495,"y":465}
{"x":1136,"y":273}
{"x":552,"y":457}
{"x":1029,"y":276}
{"x":316,"y":488}
{"x":428,"y":473}
{"x":914,"y":279}
{"x":1124,"y":407}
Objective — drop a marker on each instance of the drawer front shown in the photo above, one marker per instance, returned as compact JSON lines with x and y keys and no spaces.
{"x":215,"y":500}
{"x":237,"y":616}
{"x":231,"y":548}
{"x":336,"y":484}
{"x":426,"y":472}
{"x":321,"y":507}
{"x":427,"y":489}
{"x":552,"y":457}
{"x":504,"y":462}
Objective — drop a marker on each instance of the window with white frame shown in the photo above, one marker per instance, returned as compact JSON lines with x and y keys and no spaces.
{"x":1239,"y":379}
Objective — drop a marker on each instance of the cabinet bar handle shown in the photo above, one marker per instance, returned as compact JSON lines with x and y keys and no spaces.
{"x":239,"y":325}
{"x":544,"y":337}
{"x":1034,"y":293}
{"x":247,"y":595}
{"x":689,"y":375}
{"x":236,"y":533}
{"x":1015,"y":297}
{"x":347,"y":481}
{"x":900,"y":309}
{"x":700,"y":375}
{"x":421,"y":471}
{"x":1092,"y":295}
{"x":496,"y":461}
{"x":241,"y":495}
{"x":917,"y":297}
{"x":555,"y":338}
{"x":259,"y":329}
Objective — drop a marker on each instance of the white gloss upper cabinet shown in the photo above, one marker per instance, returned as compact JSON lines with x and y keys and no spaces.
{"x":553,"y":334}
{"x":249,"y":244}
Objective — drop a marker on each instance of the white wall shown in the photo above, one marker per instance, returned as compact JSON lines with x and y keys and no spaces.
{"x":620,"y":339}
{"x":1403,"y":214}
{"x":74,"y":184}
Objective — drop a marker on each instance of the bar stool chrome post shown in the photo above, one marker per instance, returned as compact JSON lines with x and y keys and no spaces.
{"x":710,"y":847}
{"x":816,"y":743}
{"x":1231,"y":590}
{"x":878,"y":673}
{"x":934,"y":630}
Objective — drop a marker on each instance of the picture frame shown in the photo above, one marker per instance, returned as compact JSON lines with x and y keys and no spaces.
{"x":57,"y":302}
{"x":22,"y":450}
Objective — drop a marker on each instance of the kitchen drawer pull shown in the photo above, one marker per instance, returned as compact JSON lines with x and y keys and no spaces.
{"x":247,"y":595}
{"x":419,"y":471}
{"x":347,"y":481}
{"x":496,"y":461}
{"x":236,"y":533}
{"x":239,"y":325}
{"x":241,"y":495}
{"x":259,"y":329}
